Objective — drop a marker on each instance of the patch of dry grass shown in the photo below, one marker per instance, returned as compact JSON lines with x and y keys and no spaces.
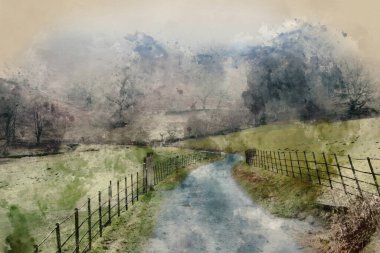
{"x":350,"y":231}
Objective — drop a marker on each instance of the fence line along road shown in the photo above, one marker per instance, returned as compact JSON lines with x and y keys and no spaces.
{"x":77,"y":232}
{"x":353,"y":176}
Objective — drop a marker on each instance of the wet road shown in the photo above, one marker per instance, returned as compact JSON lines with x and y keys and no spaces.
{"x":208,"y":212}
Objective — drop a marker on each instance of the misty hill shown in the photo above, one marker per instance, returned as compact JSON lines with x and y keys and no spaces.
{"x":309,"y":73}
{"x":92,"y":88}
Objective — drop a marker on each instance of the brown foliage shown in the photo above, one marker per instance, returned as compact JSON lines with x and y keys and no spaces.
{"x":352,"y":230}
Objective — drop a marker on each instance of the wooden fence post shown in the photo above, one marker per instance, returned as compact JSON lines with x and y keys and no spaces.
{"x":143,"y":175}
{"x":286,"y":165}
{"x":373,"y":175}
{"x":132,"y":198}
{"x":356,"y":179}
{"x":170,"y":168}
{"x":118,"y":197}
{"x":299,"y":165}
{"x":279,"y":159}
{"x":100,"y":214}
{"x":271,"y":161}
{"x":307,"y":167}
{"x":316,"y":168}
{"x":89,"y":223}
{"x":155,"y":174}
{"x":76,"y":230}
{"x":161,"y":169}
{"x":58,"y":237}
{"x":291,"y":163}
{"x":146,"y":181}
{"x":158,"y":167}
{"x":264,"y":164}
{"x":340,"y":173}
{"x":137,"y":186}
{"x":109,"y":202}
{"x":259,"y":159}
{"x":266,"y":160}
{"x":275,"y":161}
{"x":126,"y":193}
{"x":327,"y":170}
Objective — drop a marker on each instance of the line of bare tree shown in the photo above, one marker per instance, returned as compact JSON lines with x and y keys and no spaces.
{"x":25,"y":116}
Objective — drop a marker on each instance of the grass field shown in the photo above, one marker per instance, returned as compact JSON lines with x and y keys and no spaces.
{"x":40,"y":191}
{"x":357,"y":137}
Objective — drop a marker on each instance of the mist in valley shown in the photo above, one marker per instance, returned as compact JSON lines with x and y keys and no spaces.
{"x":93,"y":89}
{"x":124,"y":80}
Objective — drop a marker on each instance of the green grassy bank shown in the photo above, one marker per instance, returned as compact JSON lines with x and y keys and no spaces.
{"x":359,"y":137}
{"x":37,"y":192}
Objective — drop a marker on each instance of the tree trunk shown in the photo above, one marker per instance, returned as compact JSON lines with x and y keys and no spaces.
{"x":8,"y":130}
{"x":37,"y":127}
{"x":13,"y":129}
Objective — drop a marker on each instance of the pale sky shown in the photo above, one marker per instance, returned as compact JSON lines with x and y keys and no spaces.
{"x":191,"y":22}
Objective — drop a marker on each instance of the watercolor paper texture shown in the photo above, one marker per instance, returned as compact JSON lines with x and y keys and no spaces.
{"x":179,"y":125}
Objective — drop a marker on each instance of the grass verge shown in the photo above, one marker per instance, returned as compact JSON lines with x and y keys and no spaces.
{"x":282,"y":196}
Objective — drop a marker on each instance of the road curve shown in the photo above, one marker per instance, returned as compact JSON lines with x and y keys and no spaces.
{"x":208,"y":212}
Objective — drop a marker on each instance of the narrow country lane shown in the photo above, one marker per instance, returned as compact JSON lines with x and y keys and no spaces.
{"x":208,"y":212}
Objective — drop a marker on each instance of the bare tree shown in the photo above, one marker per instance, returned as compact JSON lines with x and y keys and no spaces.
{"x":38,"y":123}
{"x":49,"y":121}
{"x":10,"y":100}
{"x":356,"y":89}
{"x":125,"y":97}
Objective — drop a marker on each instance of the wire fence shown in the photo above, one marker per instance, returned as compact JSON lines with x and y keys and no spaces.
{"x":353,"y":176}
{"x":77,"y":232}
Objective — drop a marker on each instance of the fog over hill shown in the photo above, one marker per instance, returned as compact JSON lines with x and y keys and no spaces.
{"x":135,"y":87}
